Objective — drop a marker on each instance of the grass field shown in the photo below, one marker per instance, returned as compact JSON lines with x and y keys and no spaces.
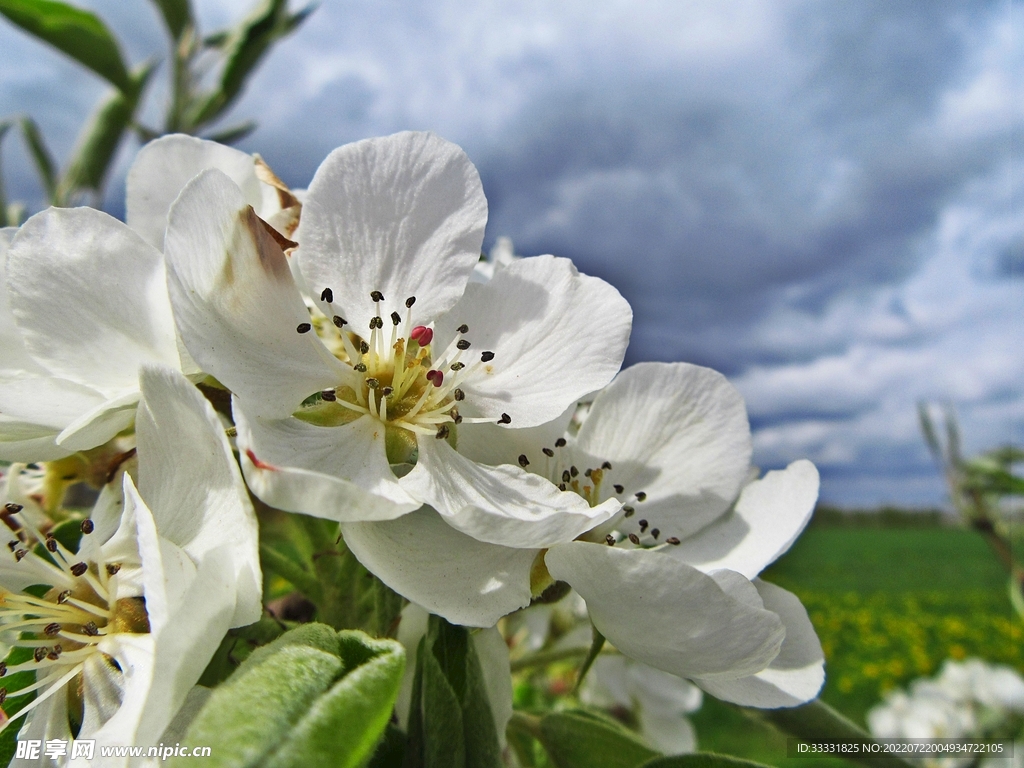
{"x":889,"y":605}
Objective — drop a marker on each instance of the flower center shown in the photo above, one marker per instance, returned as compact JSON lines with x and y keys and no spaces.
{"x":61,"y":622}
{"x":395,"y":376}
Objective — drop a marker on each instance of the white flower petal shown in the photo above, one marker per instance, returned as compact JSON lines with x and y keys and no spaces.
{"x":90,"y":298}
{"x":164,"y":166}
{"x":103,"y":691}
{"x":795,"y":676}
{"x":503,"y":505}
{"x":339,"y":473}
{"x":14,"y":357}
{"x":99,"y":425}
{"x":24,"y":441}
{"x":180,"y":440}
{"x":556,"y":335}
{"x":404,"y":215}
{"x":236,"y":302}
{"x":768,"y":517}
{"x":677,"y":432}
{"x":47,"y":401}
{"x":667,"y":733}
{"x":664,"y":613}
{"x":491,"y":444}
{"x":453,"y":575}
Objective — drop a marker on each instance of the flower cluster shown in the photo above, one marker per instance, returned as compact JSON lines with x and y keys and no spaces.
{"x":371,"y":372}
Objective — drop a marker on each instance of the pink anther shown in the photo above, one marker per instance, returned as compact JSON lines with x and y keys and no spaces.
{"x":422,"y":335}
{"x":435,"y":377}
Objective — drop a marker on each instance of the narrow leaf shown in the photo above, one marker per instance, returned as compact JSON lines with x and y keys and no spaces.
{"x":244,"y":49}
{"x":596,"y":644}
{"x":77,"y":33}
{"x":444,"y":746}
{"x":99,"y":141}
{"x":5,"y":220}
{"x":284,"y":566}
{"x":233,"y":134}
{"x":177,"y":15}
{"x":41,"y":156}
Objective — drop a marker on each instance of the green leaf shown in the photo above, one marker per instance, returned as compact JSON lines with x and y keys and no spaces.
{"x":14,"y":703}
{"x":582,"y":739}
{"x":390,"y":751}
{"x":817,"y":721}
{"x":99,"y":140}
{"x":177,"y":16}
{"x":41,"y":155}
{"x":702,"y":760}
{"x":80,"y":34}
{"x":273,"y":560}
{"x":450,"y":720}
{"x":314,"y":696}
{"x":596,"y":644}
{"x":244,"y":49}
{"x":5,"y":219}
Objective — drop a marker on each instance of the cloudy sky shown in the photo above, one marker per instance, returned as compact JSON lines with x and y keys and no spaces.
{"x":821,"y":200}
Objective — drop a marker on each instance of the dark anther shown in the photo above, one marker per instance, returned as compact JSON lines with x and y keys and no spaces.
{"x":673,"y":540}
{"x":113,"y":568}
{"x":566,"y":477}
{"x":19,"y":554}
{"x":486,"y":357}
{"x":458,"y":394}
{"x":587,"y":472}
{"x":39,"y":654}
{"x":53,"y":655}
{"x":364,"y":348}
{"x":376,"y":322}
{"x":13,"y":545}
{"x":560,"y":442}
{"x":523,"y":461}
{"x":340,"y":321}
{"x":87,"y":526}
{"x":11,"y":508}
{"x":376,"y":295}
{"x":547,"y":452}
{"x":618,"y":488}
{"x":629,"y":511}
{"x":462,"y":344}
{"x":655,"y":532}
{"x":51,"y":543}
{"x":442,"y":432}
{"x":634,"y":538}
{"x":410,"y":301}
{"x":463,"y":328}
{"x":456,"y":416}
{"x":561,"y":486}
{"x":3,"y":668}
{"x":327,"y":295}
{"x":361,"y":367}
{"x":386,"y":391}
{"x":505,"y":419}
{"x":606,"y":465}
{"x":643,"y":525}
{"x":329,"y":395}
{"x":78,"y":569}
{"x":90,"y":629}
{"x":303,"y":327}
{"x":63,"y":596}
{"x":640,"y":496}
{"x":573,"y":471}
{"x":51,"y":629}
{"x":610,"y":539}
{"x":458,"y":366}
{"x":372,"y":383}
{"x":3,"y":695}
{"x":396,"y":318}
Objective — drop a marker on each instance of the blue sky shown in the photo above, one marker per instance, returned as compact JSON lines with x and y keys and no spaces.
{"x":821,"y":200}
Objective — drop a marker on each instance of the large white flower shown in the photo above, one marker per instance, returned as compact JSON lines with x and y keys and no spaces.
{"x":407,"y":357}
{"x":83,"y":302}
{"x":672,"y":444}
{"x":129,"y":621}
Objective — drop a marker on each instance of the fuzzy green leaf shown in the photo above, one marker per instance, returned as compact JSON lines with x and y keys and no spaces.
{"x":312,"y":697}
{"x":77,"y":33}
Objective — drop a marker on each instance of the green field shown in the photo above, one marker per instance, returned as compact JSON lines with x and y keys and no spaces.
{"x":889,"y":605}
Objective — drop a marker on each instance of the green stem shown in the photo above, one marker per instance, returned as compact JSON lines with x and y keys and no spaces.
{"x":543,"y":658}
